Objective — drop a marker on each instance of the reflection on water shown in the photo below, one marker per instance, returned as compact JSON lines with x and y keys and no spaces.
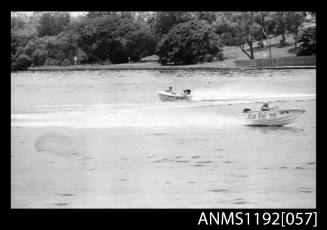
{"x":276,"y":129}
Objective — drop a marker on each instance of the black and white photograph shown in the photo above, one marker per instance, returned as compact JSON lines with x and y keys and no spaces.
{"x":163,"y":109}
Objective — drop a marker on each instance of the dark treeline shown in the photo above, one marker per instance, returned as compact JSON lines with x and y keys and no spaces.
{"x":101,"y":37}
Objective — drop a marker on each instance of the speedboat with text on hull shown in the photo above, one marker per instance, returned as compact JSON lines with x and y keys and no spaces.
{"x":272,"y":117}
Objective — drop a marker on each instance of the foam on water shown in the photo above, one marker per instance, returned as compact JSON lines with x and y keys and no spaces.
{"x":159,"y":114}
{"x":231,"y":94}
{"x":122,"y":118}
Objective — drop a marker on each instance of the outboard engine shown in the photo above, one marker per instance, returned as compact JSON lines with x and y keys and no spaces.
{"x":187,"y":91}
{"x":246,"y":110}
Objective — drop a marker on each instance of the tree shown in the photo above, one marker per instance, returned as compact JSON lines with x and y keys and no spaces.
{"x":246,"y":31}
{"x":39,"y":57}
{"x":308,"y":39}
{"x":288,"y":22}
{"x":17,"y":23}
{"x":52,"y":23}
{"x":20,"y":38}
{"x":127,"y":14}
{"x":53,"y":49}
{"x":95,"y":14}
{"x":281,"y":28}
{"x":164,"y":21}
{"x":143,"y":18}
{"x":189,"y":43}
{"x":22,"y":63}
{"x":293,"y":21}
{"x":140,"y":43}
{"x":208,"y":16}
{"x":114,"y":38}
{"x":225,"y":28}
{"x":268,"y":25}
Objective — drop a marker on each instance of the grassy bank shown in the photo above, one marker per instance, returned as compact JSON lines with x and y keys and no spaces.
{"x":230,"y":55}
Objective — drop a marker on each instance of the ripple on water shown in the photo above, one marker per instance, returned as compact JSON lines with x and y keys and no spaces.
{"x":198,"y":165}
{"x":87,"y":158}
{"x":67,"y":194}
{"x":229,"y":162}
{"x":240,"y":202}
{"x":60,"y":204}
{"x":58,"y":144}
{"x":64,"y":194}
{"x":160,"y":134}
{"x":204,"y":162}
{"x":182,"y":161}
{"x":157,"y":161}
{"x":161,"y":160}
{"x":218,"y":190}
{"x":194,"y":157}
{"x":218,"y":150}
{"x":305,"y":191}
{"x":239,"y":175}
{"x":265,"y":168}
{"x":299,"y":167}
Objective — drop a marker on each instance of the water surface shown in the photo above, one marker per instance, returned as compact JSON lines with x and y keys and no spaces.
{"x":104,"y":139}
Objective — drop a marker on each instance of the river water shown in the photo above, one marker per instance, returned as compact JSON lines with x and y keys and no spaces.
{"x":103,"y":139}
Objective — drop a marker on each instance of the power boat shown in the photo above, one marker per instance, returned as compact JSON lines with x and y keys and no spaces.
{"x":272,"y":117}
{"x":170,"y":95}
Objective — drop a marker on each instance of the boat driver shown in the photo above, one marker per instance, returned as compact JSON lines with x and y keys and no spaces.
{"x":170,"y":89}
{"x":265,"y":107}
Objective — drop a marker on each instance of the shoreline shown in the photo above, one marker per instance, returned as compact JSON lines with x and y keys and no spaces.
{"x":131,"y":67}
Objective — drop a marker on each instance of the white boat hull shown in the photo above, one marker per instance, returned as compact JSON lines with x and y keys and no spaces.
{"x":272,"y":117}
{"x":166,"y":96}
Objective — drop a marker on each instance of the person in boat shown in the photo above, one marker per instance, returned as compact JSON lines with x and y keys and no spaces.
{"x":170,"y":90}
{"x":265,"y":107}
{"x":187,"y":91}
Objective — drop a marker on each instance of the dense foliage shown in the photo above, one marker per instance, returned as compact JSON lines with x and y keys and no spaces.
{"x":22,"y":62}
{"x":105,"y":37}
{"x":113,"y":39}
{"x":307,"y":38}
{"x":52,"y":23}
{"x":189,"y":43}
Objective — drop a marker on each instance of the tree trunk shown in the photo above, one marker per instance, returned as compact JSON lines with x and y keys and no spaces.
{"x":268,"y":41}
{"x":269,"y":46}
{"x":251,"y":50}
{"x":282,"y":42}
{"x":247,"y":54}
